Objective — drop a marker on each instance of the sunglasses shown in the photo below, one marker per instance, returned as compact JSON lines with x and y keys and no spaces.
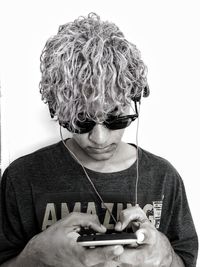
{"x":112,"y":123}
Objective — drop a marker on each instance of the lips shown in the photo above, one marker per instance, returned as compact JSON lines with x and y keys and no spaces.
{"x":97,"y":150}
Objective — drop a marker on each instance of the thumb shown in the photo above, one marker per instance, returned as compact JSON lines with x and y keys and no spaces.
{"x":113,"y":251}
{"x":103,"y":254}
{"x":141,"y":236}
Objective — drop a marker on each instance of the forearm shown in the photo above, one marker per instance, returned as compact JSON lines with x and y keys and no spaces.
{"x":10,"y":263}
{"x":22,"y":262}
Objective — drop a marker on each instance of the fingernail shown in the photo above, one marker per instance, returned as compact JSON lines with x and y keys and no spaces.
{"x":118,"y":226}
{"x":103,"y":228}
{"x":118,"y":250}
{"x":140,"y":237}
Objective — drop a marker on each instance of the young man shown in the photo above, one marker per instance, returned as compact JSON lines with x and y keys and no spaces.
{"x":93,"y":80}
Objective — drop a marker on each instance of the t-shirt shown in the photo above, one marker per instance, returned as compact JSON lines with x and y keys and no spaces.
{"x":40,"y":188}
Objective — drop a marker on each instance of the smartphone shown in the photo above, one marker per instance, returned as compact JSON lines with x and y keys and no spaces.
{"x":121,"y":238}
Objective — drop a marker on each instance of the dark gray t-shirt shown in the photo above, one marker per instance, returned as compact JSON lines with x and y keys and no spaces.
{"x":43,"y":187}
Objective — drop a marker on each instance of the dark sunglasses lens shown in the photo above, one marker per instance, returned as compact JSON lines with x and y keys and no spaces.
{"x":85,"y":126}
{"x":82,"y":126}
{"x":119,"y":123}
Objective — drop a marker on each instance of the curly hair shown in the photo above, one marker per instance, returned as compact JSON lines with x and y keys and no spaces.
{"x":89,"y":69}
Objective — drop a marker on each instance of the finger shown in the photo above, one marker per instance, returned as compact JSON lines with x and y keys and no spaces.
{"x":72,"y":235}
{"x":102,"y":254}
{"x":132,"y":258}
{"x":128,"y":215}
{"x":78,"y":219}
{"x":133,"y":225}
{"x":71,"y":229}
{"x":111,"y":263}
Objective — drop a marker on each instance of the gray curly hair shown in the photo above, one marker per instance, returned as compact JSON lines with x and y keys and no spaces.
{"x":89,"y":69}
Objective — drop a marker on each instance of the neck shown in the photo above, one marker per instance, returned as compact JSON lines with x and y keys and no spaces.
{"x":123,"y":158}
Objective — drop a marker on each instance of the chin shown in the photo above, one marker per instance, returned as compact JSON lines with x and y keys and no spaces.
{"x":101,"y":157}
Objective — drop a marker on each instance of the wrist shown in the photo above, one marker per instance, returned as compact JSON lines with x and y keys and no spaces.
{"x":30,"y":255}
{"x":176,"y":260}
{"x":170,"y":258}
{"x":166,"y":250}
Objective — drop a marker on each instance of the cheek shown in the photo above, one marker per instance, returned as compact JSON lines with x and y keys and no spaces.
{"x":116,"y":135}
{"x":81,"y":139}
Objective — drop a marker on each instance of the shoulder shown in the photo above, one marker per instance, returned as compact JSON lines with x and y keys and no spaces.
{"x":44,"y":152}
{"x":159,"y":176}
{"x":150,"y":159}
{"x":159,"y":168}
{"x":35,"y":162}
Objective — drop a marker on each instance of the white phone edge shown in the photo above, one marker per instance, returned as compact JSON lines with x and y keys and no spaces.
{"x":108,"y":242}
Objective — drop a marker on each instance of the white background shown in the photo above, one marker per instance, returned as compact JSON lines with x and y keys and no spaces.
{"x":166,"y":32}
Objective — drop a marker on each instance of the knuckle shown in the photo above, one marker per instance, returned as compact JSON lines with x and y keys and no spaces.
{"x":95,"y":216}
{"x":73,"y":214}
{"x":138,"y":208}
{"x":69,"y":217}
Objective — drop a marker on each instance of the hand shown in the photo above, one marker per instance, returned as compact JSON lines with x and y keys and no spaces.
{"x":57,"y":246}
{"x":153,"y":248}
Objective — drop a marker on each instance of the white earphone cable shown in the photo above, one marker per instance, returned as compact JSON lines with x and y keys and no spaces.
{"x":137,"y":158}
{"x":91,"y":182}
{"x":89,"y":179}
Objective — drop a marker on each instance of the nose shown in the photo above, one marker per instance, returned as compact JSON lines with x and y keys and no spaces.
{"x":99,"y":134}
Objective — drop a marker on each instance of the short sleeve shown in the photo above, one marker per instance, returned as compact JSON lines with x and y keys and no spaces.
{"x":12,"y":240}
{"x":181,"y":231}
